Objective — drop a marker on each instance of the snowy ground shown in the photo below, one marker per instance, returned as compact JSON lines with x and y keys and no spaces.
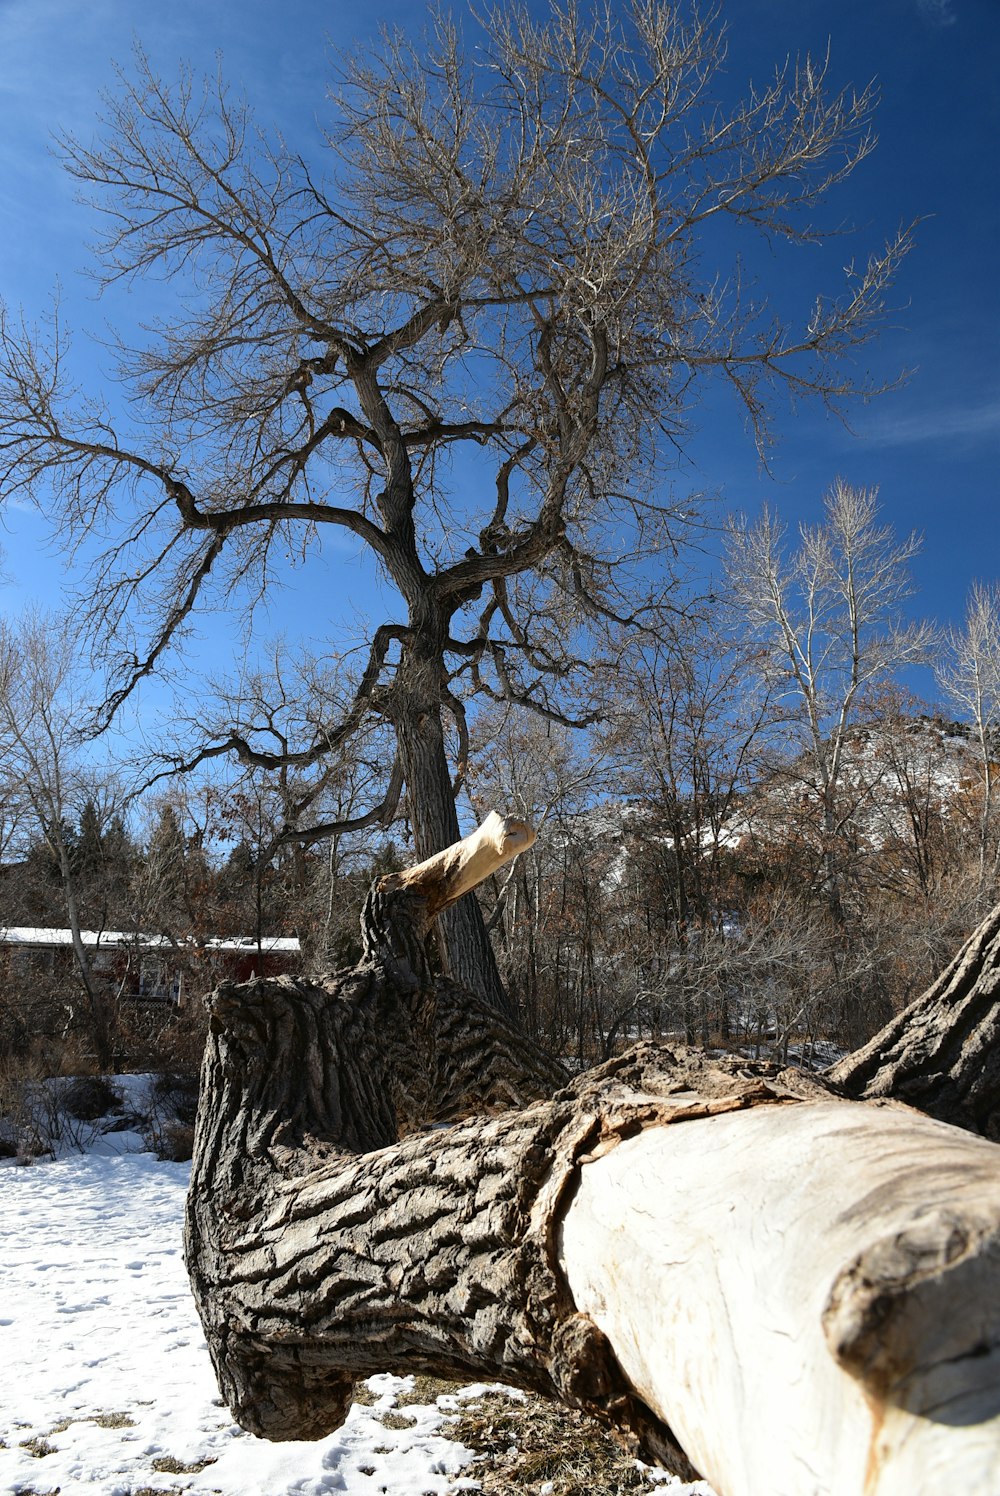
{"x":105,"y":1382}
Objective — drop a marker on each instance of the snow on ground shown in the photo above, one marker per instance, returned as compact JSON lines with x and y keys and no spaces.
{"x":106,"y":1388}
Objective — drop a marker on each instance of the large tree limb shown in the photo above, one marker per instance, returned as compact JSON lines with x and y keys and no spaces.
{"x":445,"y":877}
{"x":942,"y":1053}
{"x":737,"y":1269}
{"x":809,"y":1294}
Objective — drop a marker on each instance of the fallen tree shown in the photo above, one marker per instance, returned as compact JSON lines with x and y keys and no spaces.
{"x":942,"y":1053}
{"x":740,"y":1270}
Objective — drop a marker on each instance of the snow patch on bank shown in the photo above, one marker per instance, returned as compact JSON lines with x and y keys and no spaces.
{"x":106,"y":1387}
{"x":105,"y":1372}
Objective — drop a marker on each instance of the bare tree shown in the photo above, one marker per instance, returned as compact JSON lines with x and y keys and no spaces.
{"x":690,"y":713}
{"x":829,"y":621}
{"x":969,"y":674}
{"x":549,"y":774}
{"x":41,"y":766}
{"x":284,"y":701}
{"x":511,"y":255}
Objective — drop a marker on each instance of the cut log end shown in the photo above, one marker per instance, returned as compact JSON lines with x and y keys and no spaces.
{"x":444,"y":878}
{"x":899,"y":1314}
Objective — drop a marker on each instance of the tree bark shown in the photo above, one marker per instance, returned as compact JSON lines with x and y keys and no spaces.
{"x":942,"y":1053}
{"x":813,"y":1310}
{"x":464,"y":942}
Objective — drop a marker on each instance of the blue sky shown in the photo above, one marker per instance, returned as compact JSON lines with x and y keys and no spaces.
{"x":932,"y":447}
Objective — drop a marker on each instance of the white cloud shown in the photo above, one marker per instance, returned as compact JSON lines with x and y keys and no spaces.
{"x":959,"y":423}
{"x":940,"y":12}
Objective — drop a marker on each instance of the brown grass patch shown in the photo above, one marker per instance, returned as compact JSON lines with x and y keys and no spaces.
{"x":38,"y":1448}
{"x":165,"y":1464}
{"x":113,"y":1420}
{"x":426,"y":1390}
{"x":523,"y":1446}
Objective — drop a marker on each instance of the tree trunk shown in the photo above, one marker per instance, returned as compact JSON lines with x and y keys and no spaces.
{"x":100,"y":1028}
{"x":814,"y":1311}
{"x":463,"y":938}
{"x":942,"y":1053}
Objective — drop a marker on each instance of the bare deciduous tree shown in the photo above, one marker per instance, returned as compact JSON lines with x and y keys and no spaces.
{"x":690,"y":712}
{"x":41,"y":767}
{"x":969,"y":674}
{"x":506,"y":263}
{"x":829,"y":620}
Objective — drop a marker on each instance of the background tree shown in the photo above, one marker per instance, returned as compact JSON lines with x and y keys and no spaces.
{"x":268,"y":814}
{"x":42,"y":768}
{"x":170,"y":904}
{"x":545,"y":914}
{"x":263,"y":877}
{"x":690,"y":717}
{"x":969,"y":674}
{"x":104,"y":855}
{"x":829,"y":625}
{"x":508,"y":253}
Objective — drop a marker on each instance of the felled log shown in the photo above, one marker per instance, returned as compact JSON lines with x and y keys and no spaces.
{"x":942,"y":1053}
{"x":808,"y":1294}
{"x":740,"y":1271}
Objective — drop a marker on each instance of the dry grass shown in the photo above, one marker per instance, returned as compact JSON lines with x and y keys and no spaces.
{"x":396,"y":1421}
{"x":165,"y":1464}
{"x":426,"y":1390}
{"x":528,"y":1446}
{"x":113,"y":1420}
{"x":523,"y":1446}
{"x":37,"y":1448}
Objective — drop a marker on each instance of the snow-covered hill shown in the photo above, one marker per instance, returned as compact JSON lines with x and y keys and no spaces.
{"x":891,"y":772}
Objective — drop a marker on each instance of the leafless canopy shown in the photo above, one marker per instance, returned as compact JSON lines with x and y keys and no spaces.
{"x":469,"y":336}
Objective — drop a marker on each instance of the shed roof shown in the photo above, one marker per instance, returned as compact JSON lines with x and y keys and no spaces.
{"x":45,"y":938}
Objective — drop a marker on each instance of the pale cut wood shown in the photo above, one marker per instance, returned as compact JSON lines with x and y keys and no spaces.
{"x":443,"y":879}
{"x":809,"y":1296}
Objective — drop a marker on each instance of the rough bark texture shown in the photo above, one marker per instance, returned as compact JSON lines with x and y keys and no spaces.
{"x":464,"y":942}
{"x":321,"y":1250}
{"x":332,"y":1232}
{"x":942,"y":1053}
